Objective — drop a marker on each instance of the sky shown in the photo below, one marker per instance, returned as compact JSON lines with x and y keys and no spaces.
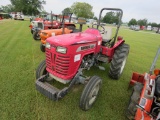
{"x":138,"y":9}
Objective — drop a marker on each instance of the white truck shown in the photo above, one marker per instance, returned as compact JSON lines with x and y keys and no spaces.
{"x":17,"y":15}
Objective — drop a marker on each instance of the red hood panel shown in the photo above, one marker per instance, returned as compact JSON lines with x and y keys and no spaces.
{"x":73,"y":38}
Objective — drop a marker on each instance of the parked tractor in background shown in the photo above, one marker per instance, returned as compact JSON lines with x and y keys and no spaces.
{"x":53,"y":24}
{"x":68,"y":55}
{"x":144,"y":103}
{"x":42,"y":18}
{"x":46,"y":22}
{"x":44,"y":34}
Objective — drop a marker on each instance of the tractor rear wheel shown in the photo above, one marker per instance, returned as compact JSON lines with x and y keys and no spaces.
{"x":42,"y":47}
{"x":90,"y":93}
{"x":118,"y":61}
{"x":41,"y":70}
{"x":36,"y":35}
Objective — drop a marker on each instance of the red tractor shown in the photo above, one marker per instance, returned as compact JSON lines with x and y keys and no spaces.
{"x":68,"y":55}
{"x":144,"y":103}
{"x":53,"y":24}
{"x":43,"y":21}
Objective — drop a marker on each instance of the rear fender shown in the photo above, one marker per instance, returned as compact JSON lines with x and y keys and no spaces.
{"x":110,"y":51}
{"x":136,"y":77}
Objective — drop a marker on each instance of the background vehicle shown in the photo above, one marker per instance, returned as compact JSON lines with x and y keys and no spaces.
{"x":53,"y":24}
{"x":144,"y":103}
{"x":68,"y":55}
{"x":136,"y":27}
{"x":17,"y":15}
{"x":149,"y":27}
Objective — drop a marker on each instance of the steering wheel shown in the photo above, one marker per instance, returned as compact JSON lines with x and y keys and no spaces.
{"x":102,"y":31}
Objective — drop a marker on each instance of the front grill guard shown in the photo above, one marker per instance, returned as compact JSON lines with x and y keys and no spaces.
{"x":40,"y":25}
{"x":54,"y":93}
{"x":57,"y":63}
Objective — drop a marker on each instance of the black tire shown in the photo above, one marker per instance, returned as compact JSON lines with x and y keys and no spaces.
{"x":36,"y":36}
{"x":42,"y":47}
{"x":31,"y":31}
{"x":41,"y":70}
{"x":119,"y":60}
{"x":91,"y":88}
{"x":134,"y":100}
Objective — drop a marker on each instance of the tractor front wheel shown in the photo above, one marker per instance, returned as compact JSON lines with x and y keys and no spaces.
{"x":118,"y":61}
{"x":41,"y":70}
{"x":36,"y":35}
{"x":32,"y":31}
{"x":90,"y":93}
{"x":42,"y":47}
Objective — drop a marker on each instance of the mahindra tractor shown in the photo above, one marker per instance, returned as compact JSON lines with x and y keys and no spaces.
{"x":53,"y":24}
{"x":68,"y":55}
{"x":144,"y":103}
{"x":44,"y":34}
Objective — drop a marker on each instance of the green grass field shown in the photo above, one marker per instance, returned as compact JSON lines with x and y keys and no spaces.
{"x":19,"y":57}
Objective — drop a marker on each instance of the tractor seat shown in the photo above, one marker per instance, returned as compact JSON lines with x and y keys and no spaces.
{"x":107,"y":35}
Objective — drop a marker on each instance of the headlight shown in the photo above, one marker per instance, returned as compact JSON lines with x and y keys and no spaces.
{"x":61,"y":49}
{"x":48,"y":45}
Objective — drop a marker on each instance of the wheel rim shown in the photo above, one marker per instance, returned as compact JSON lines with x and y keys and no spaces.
{"x":123,"y":64}
{"x":93,"y":94}
{"x":38,"y":36}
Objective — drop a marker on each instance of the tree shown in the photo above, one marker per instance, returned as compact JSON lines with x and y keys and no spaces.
{"x":8,"y":8}
{"x":142,"y":22}
{"x":95,"y":18}
{"x":66,"y":10}
{"x":108,"y":18}
{"x":28,"y":6}
{"x":154,"y":24}
{"x":132,"y":22}
{"x":111,"y":17}
{"x":82,"y":9}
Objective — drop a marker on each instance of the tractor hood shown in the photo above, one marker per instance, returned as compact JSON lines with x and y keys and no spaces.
{"x":70,"y":39}
{"x":50,"y":30}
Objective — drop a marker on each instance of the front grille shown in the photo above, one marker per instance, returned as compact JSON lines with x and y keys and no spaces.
{"x":57,"y":63}
{"x":40,"y":25}
{"x":62,"y":64}
{"x":48,"y":60}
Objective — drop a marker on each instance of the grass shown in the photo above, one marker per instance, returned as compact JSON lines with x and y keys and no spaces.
{"x":19,"y":57}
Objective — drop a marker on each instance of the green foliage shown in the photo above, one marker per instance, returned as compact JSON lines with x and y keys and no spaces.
{"x":154,"y":24}
{"x":95,"y":18}
{"x":132,"y":22}
{"x":82,"y":9}
{"x":66,"y":10}
{"x":8,"y":8}
{"x":142,"y":22}
{"x":111,"y":17}
{"x":28,"y":6}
